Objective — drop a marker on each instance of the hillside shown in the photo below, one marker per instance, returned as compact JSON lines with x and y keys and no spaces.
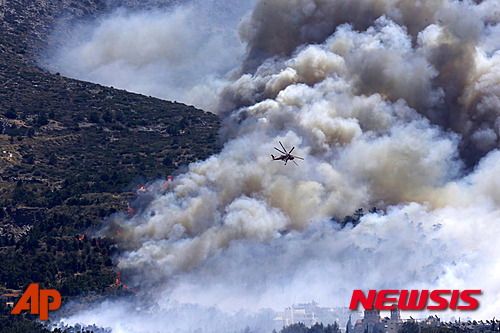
{"x":62,"y":137}
{"x":72,"y":153}
{"x":27,"y":25}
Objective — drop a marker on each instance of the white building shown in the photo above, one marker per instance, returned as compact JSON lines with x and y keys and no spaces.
{"x":310,"y":314}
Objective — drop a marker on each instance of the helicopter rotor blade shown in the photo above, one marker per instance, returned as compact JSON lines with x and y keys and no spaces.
{"x":295,"y":163}
{"x":282,"y":147}
{"x":300,"y":158}
{"x":280,"y":151}
{"x":291,"y":150}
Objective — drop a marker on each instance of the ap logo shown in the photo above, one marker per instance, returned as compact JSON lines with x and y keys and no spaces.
{"x":37,"y":301}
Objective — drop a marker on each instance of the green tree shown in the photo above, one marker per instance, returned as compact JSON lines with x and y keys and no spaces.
{"x":31,"y":132}
{"x":358,"y":214}
{"x":42,"y":119}
{"x":295,"y":328}
{"x":409,"y":327}
{"x":348,"y":326}
{"x":52,"y":158}
{"x":316,"y":328}
{"x":94,"y":117}
{"x":107,"y":116}
{"x":332,"y":328}
{"x":11,"y":113}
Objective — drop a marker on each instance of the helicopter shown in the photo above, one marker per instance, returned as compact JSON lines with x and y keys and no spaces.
{"x":285,"y":156}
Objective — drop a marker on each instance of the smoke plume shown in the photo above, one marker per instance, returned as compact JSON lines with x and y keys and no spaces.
{"x":171,"y":52}
{"x":393,"y":104}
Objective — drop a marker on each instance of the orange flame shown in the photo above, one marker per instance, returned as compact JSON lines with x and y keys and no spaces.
{"x":169,"y":180}
{"x":120,"y":283}
{"x":130,"y":211}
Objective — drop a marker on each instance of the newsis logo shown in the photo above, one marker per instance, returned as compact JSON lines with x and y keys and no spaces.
{"x":37,"y":301}
{"x":415,"y":299}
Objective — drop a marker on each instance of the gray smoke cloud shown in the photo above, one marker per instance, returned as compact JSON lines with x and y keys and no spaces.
{"x":439,"y":42}
{"x":171,"y":52}
{"x":128,"y":315}
{"x":393,"y":104}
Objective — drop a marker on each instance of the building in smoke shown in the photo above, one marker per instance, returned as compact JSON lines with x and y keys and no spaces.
{"x":374,"y":323}
{"x":371,"y":322}
{"x":311,"y":313}
{"x":395,"y":322}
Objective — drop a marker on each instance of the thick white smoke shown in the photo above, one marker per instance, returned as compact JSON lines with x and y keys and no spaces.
{"x":393,"y":104}
{"x":172,"y":52}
